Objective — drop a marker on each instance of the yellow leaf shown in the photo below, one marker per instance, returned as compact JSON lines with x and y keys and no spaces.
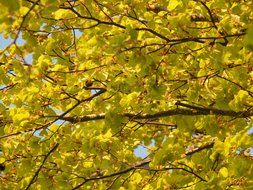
{"x":54,"y":128}
{"x":88,"y":164}
{"x":129,"y":99}
{"x":44,"y":61}
{"x":63,"y":14}
{"x":136,"y":178}
{"x":173,"y":4}
{"x":19,"y":115}
{"x":2,"y":160}
{"x":23,"y":10}
{"x":242,"y":95}
{"x":223,"y":172}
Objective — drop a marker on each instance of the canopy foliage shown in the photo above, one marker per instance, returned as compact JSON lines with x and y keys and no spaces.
{"x":109,"y":77}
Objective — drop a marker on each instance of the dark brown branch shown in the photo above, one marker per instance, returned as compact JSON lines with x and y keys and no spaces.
{"x":156,"y":123}
{"x":30,"y":1}
{"x":175,"y":168}
{"x":93,"y":18}
{"x":101,"y":8}
{"x":200,"y":39}
{"x":215,"y":111}
{"x":59,"y":117}
{"x":115,"y":24}
{"x":207,"y":146}
{"x":193,"y":110}
{"x":240,"y":86}
{"x":154,"y":32}
{"x":7,"y":87}
{"x":213,"y":22}
{"x":43,"y":162}
{"x":140,"y":164}
{"x":210,"y":14}
{"x":179,"y":40}
{"x":200,"y":18}
{"x":24,"y":18}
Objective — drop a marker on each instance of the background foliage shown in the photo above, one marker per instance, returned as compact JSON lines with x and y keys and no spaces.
{"x":106,"y":77}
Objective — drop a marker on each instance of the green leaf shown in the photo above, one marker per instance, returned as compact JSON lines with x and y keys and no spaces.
{"x":249,"y":38}
{"x":12,"y":5}
{"x":132,"y":32}
{"x":129,"y":99}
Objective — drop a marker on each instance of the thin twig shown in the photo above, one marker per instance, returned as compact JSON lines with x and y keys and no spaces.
{"x":43,"y":162}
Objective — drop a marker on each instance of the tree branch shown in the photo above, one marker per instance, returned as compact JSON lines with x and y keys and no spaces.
{"x":24,"y":18}
{"x":140,"y":164}
{"x":43,"y":162}
{"x":207,"y":146}
{"x":193,"y":110}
